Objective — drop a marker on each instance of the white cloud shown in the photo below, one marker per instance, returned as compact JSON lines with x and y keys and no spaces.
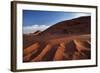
{"x":33,"y":28}
{"x":81,"y":14}
{"x":76,"y":15}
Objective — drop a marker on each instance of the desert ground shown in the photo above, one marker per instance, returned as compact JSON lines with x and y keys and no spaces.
{"x":66,"y":40}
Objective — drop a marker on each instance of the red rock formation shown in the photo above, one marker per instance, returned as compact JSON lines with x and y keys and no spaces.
{"x":66,"y":40}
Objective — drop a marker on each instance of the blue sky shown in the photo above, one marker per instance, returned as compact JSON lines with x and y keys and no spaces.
{"x":40,"y":20}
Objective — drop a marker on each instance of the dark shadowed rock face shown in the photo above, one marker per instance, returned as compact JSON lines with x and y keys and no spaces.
{"x":79,"y":25}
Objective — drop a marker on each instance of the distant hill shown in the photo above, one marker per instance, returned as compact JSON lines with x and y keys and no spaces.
{"x":81,"y":25}
{"x":37,"y":32}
